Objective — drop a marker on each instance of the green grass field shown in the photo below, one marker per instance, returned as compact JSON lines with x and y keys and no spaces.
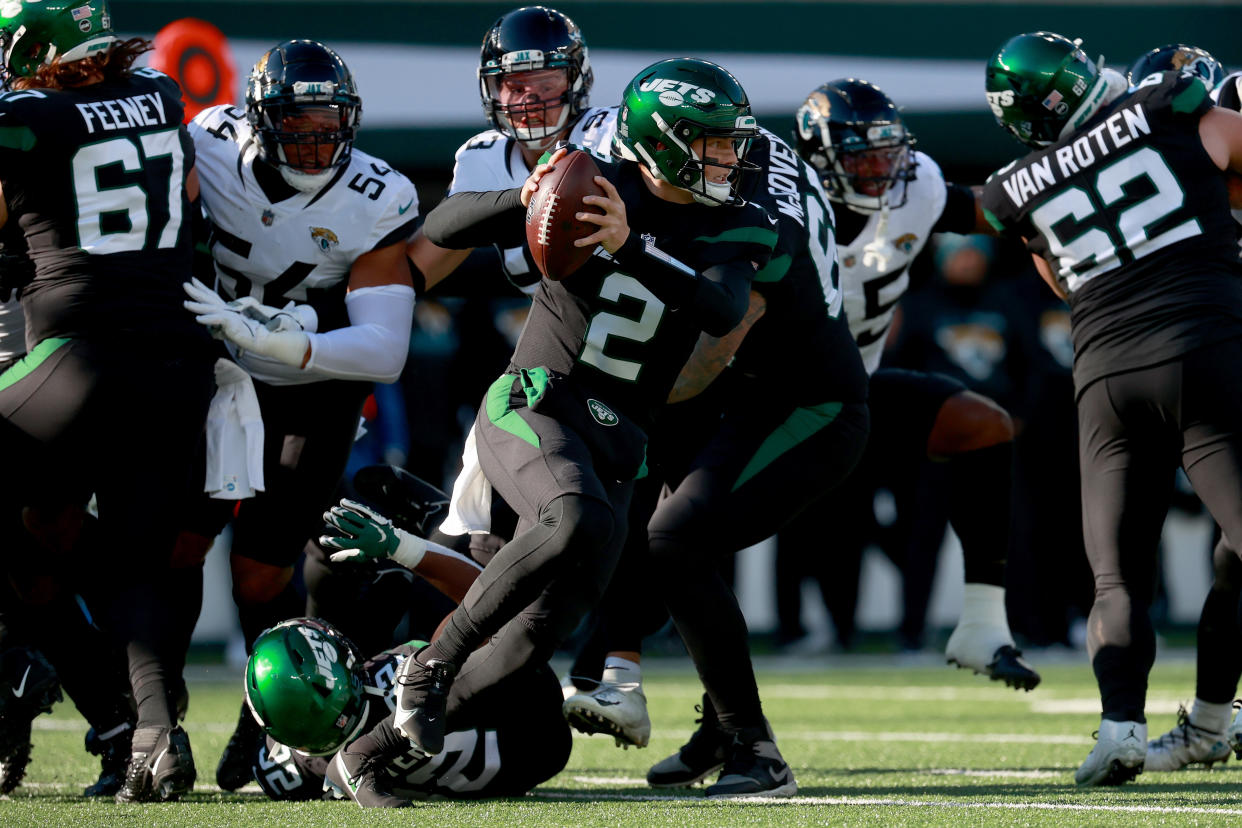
{"x":872,"y":742}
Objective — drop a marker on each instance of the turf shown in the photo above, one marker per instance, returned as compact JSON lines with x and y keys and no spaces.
{"x":872,"y":741}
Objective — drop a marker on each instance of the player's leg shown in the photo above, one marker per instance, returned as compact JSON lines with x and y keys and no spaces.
{"x":1212,"y":457}
{"x":762,"y":468}
{"x":545,"y":471}
{"x":1128,"y":450}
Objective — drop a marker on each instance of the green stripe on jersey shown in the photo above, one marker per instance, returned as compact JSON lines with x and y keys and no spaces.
{"x":802,"y":423}
{"x":758,"y":235}
{"x":994,"y":221}
{"x":22,"y":368}
{"x":1190,"y":98}
{"x":503,"y":416}
{"x":775,"y":269}
{"x":18,"y":138}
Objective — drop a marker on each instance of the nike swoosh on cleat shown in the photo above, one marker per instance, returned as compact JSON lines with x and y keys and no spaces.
{"x":777,"y":777}
{"x":605,"y":703}
{"x":21,"y":688}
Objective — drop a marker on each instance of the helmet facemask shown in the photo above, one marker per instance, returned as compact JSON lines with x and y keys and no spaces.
{"x":523,"y":88}
{"x":308,"y":140}
{"x":866,"y":165}
{"x":679,"y":158}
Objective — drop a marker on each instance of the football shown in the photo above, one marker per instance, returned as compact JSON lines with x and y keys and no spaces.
{"x":550,"y":224}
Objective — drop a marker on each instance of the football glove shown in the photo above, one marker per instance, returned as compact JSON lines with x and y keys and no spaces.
{"x":361,"y":534}
{"x":247,"y":327}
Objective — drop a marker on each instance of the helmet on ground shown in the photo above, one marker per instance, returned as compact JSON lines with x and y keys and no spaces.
{"x":303,"y":686}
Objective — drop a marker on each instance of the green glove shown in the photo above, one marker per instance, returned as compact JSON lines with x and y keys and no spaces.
{"x":362,"y":534}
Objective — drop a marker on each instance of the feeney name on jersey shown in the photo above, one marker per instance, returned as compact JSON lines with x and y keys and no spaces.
{"x":302,"y":247}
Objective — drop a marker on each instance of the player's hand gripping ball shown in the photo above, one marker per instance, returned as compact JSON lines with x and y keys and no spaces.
{"x":551,"y":223}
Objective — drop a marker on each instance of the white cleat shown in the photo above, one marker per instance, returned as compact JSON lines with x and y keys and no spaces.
{"x":1185,"y":745}
{"x":1118,"y":755}
{"x":981,"y":641}
{"x":1233,"y":733}
{"x":616,"y":709}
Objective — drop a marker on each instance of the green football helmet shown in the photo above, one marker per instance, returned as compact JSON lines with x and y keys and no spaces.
{"x":670,"y":105}
{"x":303,"y":688}
{"x":1036,"y":82}
{"x":34,"y":33}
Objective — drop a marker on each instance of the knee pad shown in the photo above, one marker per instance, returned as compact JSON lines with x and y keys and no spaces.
{"x":589,"y":522}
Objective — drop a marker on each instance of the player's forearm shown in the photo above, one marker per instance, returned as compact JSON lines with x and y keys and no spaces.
{"x":465,"y":220}
{"x":713,"y":354}
{"x":375,"y":344}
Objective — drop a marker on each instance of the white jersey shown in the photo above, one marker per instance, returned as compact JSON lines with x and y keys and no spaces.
{"x":875,"y":275}
{"x":301,"y":248}
{"x":492,"y":160}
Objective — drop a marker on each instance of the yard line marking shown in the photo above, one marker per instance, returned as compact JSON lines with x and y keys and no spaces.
{"x":71,"y":724}
{"x":1008,"y":774}
{"x":913,"y":803}
{"x":914,"y":736}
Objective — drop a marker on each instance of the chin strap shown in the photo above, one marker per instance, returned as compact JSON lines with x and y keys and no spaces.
{"x":303,"y":181}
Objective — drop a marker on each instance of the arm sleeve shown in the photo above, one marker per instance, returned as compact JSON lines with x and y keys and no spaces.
{"x":374,"y":344}
{"x":477,"y":219}
{"x":716,"y":298}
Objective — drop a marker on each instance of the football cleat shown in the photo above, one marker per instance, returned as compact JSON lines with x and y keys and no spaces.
{"x":1185,"y":745}
{"x":28,"y":687}
{"x":616,"y":709}
{"x":422,"y":702}
{"x":161,"y":766}
{"x":1234,"y":732}
{"x":113,"y":751}
{"x":355,"y":776}
{"x":235,"y":767}
{"x":754,"y":767}
{"x":1118,"y":755}
{"x":698,"y":758}
{"x":975,"y":647}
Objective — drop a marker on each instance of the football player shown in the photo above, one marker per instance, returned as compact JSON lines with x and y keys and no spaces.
{"x":314,"y":298}
{"x":535,"y":79}
{"x":891,"y":198}
{"x":100,"y":176}
{"x":328,"y":715}
{"x":562,"y":435}
{"x":1151,"y":277}
{"x":1205,"y":734}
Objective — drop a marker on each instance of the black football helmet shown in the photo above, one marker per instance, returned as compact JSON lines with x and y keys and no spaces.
{"x":846,"y":117}
{"x":293,"y":79}
{"x":1178,"y":57}
{"x":524,"y":40}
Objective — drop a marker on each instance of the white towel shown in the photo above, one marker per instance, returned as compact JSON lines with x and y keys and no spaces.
{"x":470,"y":507}
{"x":234,"y":436}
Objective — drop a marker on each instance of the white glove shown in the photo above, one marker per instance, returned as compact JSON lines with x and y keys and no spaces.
{"x":247,"y":333}
{"x":292,"y":317}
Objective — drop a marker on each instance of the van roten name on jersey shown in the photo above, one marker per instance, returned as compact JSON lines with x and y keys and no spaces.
{"x":1101,"y":141}
{"x":123,"y":113}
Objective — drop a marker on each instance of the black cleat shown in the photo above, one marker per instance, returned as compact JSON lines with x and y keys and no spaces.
{"x":754,"y":767}
{"x":1007,"y":665}
{"x":113,"y":753}
{"x":161,"y":766}
{"x":236,"y":763}
{"x":422,"y":701}
{"x":698,"y":758}
{"x":357,"y":776}
{"x":28,"y":687}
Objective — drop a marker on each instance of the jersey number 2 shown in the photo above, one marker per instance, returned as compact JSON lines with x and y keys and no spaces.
{"x":127,"y":202}
{"x":604,"y":325}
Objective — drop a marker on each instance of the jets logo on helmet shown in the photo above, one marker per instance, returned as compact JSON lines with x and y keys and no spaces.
{"x":670,"y":111}
{"x":1038,"y":83}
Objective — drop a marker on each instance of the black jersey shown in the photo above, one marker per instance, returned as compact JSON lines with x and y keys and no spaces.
{"x":1133,"y":217}
{"x":605,"y":326}
{"x":95,"y":177}
{"x":802,"y":344}
{"x":511,"y":740}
